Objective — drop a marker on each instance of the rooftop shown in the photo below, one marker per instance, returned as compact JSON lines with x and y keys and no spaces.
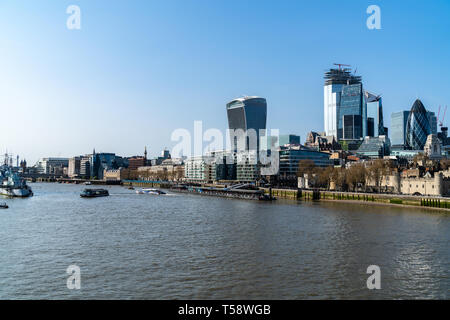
{"x":341,"y":76}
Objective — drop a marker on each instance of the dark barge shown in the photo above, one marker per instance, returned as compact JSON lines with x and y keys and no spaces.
{"x":247,"y":194}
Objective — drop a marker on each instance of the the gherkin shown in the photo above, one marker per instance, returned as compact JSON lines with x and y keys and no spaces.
{"x":417,"y":127}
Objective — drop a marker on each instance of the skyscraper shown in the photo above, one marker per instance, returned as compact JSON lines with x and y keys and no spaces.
{"x":433,"y":121}
{"x":351,"y":114}
{"x":398,"y":129}
{"x":343,"y":96}
{"x":399,"y":123}
{"x":245,"y":114}
{"x":418,"y":127}
{"x":246,"y":117}
{"x":375,"y":123}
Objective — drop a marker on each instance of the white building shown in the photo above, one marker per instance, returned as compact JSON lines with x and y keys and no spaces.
{"x":433,"y":148}
{"x":51,"y":165}
{"x":197,"y":169}
{"x":74,"y":167}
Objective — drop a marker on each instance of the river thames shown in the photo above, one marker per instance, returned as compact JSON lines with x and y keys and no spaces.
{"x":183,"y":246}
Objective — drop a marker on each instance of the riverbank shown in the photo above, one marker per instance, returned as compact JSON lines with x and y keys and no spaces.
{"x":435,"y":203}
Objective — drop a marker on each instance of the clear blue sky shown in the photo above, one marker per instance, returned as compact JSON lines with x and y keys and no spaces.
{"x":137,"y":70}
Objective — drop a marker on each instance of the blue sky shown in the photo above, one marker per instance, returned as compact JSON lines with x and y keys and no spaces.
{"x":137,"y":70}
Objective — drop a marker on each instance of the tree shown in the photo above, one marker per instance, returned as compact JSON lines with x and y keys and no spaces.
{"x":306,"y":167}
{"x":444,"y":164}
{"x":339,"y":176}
{"x":324,"y":176}
{"x":356,"y":175}
{"x":378,"y":170}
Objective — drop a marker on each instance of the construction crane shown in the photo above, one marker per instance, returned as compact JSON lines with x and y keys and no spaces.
{"x":341,"y":65}
{"x":441,"y":123}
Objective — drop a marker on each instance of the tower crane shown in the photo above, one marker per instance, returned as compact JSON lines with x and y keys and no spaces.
{"x":341,"y":65}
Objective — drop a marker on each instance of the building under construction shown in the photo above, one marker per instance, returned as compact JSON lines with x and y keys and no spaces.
{"x":341,"y":76}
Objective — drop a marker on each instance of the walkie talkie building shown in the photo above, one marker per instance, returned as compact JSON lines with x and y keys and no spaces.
{"x":246,"y":113}
{"x":246,"y":117}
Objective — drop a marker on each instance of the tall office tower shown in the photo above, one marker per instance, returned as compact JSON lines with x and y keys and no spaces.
{"x":375,"y":123}
{"x":352,"y":127}
{"x":398,"y":129}
{"x":246,"y":113}
{"x":418,"y":127}
{"x":343,"y":96}
{"x":433,"y":121}
{"x":352,"y":105}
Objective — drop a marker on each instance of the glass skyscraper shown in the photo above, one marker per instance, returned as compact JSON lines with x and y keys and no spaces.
{"x":399,"y":123}
{"x":375,"y":123}
{"x":398,"y":128}
{"x":341,"y":87}
{"x":433,"y":121}
{"x":246,"y":118}
{"x":246,"y":113}
{"x":417,"y":127}
{"x":351,"y":113}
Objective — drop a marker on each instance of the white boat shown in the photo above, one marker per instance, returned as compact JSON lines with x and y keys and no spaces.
{"x":150,"y":191}
{"x":12,"y":185}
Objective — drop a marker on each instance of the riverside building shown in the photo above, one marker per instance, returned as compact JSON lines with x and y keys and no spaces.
{"x":51,"y":165}
{"x":288,"y":158}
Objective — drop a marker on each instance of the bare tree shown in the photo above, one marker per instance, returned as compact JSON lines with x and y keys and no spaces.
{"x":306,"y":167}
{"x":356,"y":176}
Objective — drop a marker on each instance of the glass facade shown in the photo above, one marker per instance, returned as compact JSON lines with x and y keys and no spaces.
{"x":375,"y":111}
{"x":351,"y":105}
{"x":352,"y":127}
{"x":335,"y":82}
{"x":289,"y":158}
{"x":288,"y":139}
{"x":370,"y":127}
{"x":398,"y":128}
{"x":433,"y":121}
{"x":375,"y":147}
{"x":418,"y":127}
{"x":246,"y":113}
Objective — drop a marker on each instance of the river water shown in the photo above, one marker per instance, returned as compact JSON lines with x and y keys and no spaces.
{"x":184,"y":246}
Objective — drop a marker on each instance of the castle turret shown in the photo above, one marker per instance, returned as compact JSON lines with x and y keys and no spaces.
{"x":396,"y":183}
{"x":438,"y":181}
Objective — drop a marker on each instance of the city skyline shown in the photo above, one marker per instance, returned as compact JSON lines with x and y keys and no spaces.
{"x":120,"y":84}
